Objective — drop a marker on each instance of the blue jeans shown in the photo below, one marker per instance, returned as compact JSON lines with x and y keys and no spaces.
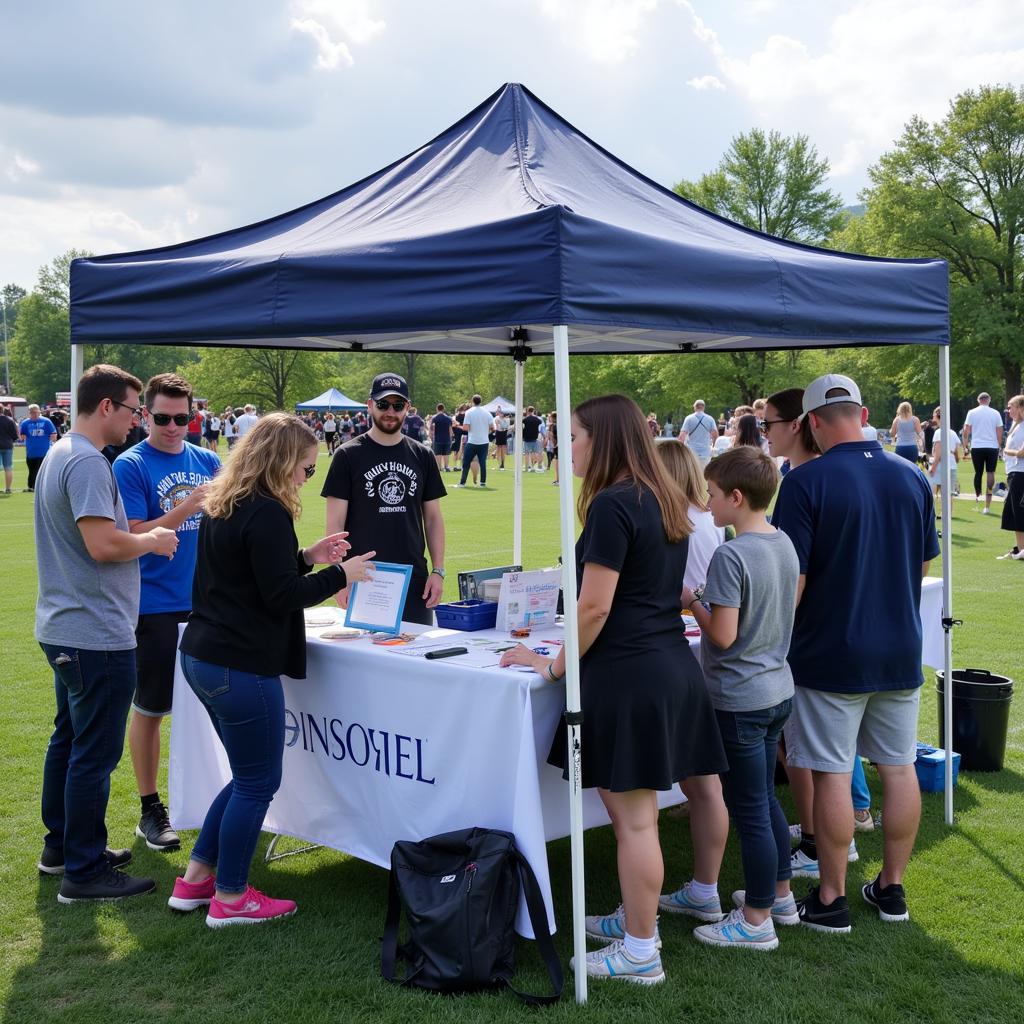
{"x":751,"y":739}
{"x":908,"y":452}
{"x":94,"y":692}
{"x":247,"y":711}
{"x":478,"y":452}
{"x":859,"y":787}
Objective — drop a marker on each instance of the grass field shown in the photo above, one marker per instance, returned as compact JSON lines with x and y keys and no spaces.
{"x":959,"y":960}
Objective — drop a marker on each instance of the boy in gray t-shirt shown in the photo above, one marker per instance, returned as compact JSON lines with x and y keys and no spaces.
{"x":746,"y":623}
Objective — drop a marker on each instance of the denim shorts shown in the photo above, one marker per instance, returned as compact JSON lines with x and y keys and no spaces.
{"x":7,"y":458}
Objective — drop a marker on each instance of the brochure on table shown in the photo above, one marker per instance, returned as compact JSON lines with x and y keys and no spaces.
{"x":377,"y":603}
{"x":528,"y":598}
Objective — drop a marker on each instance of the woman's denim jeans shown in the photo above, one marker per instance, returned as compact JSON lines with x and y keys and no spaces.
{"x":247,"y":711}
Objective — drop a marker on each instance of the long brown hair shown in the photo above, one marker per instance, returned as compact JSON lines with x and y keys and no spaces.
{"x":683,"y":467}
{"x":262,"y":462}
{"x":789,"y":404}
{"x":621,"y":448}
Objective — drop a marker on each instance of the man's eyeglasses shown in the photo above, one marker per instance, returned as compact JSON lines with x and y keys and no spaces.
{"x":309,"y":471}
{"x":136,"y":410}
{"x":765,"y":424}
{"x":161,"y":419}
{"x":398,"y":404}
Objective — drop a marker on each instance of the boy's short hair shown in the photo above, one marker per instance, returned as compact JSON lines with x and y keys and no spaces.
{"x":748,"y":470}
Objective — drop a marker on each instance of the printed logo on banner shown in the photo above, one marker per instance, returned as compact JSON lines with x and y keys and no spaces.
{"x":387,"y":753}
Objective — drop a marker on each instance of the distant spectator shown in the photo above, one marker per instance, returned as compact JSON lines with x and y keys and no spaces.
{"x":699,"y":432}
{"x":39,"y":433}
{"x":747,"y":432}
{"x":245,"y":422}
{"x":983,"y":435}
{"x":8,"y":436}
{"x":906,"y":432}
{"x":441,"y":437}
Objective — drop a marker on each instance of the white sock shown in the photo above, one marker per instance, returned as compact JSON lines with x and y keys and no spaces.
{"x":640,"y":949}
{"x":702,"y":892}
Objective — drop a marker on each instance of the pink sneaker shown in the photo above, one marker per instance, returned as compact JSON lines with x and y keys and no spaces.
{"x":192,"y":895}
{"x":253,"y":908}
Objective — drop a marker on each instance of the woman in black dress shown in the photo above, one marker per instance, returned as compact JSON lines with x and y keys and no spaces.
{"x":647,"y":719}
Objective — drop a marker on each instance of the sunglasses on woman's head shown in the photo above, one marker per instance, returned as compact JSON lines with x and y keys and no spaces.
{"x":161,"y":419}
{"x":398,"y":404}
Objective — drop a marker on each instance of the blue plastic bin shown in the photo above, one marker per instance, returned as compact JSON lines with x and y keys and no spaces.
{"x":469,"y":615}
{"x":931,"y":768}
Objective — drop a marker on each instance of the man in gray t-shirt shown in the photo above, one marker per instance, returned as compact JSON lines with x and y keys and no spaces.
{"x":85,"y":623}
{"x":699,"y":432}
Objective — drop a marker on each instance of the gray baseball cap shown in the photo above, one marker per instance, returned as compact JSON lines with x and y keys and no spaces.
{"x":816,"y":394}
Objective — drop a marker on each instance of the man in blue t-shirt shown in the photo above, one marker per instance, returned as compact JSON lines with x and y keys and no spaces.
{"x":863,"y":525}
{"x":39,"y":433}
{"x":162,"y":481}
{"x":441,"y":437}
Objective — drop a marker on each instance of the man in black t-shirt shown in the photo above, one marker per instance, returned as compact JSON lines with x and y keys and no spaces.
{"x":385,"y":488}
{"x":441,"y":437}
{"x":533,"y":455}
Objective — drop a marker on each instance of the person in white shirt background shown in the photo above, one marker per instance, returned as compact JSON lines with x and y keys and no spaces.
{"x":245,"y":422}
{"x":1013,"y":458}
{"x":937,"y":459}
{"x":983,"y":437}
{"x":477,"y":425}
{"x":699,"y":432}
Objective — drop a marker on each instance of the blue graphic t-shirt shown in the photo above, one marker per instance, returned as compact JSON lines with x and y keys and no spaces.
{"x":152,"y":483}
{"x":37,"y":436}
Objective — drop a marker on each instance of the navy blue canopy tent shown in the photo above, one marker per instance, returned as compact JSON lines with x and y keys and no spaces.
{"x":511,"y":232}
{"x":332,"y":400}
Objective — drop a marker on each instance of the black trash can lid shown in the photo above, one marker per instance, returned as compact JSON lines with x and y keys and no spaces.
{"x":977,"y":684}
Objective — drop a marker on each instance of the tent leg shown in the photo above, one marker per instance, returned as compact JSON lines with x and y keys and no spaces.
{"x":77,"y":369}
{"x":567,"y":519}
{"x":947,"y":580}
{"x":517,"y":466}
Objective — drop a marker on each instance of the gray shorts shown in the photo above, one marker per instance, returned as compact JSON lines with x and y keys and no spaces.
{"x":827,"y":730}
{"x":531,"y":447}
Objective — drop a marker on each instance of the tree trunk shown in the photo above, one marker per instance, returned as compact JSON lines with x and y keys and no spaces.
{"x":1011,"y":377}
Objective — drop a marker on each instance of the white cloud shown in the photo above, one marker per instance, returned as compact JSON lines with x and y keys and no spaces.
{"x":705,"y":82}
{"x":608,"y":31}
{"x":21,"y":167}
{"x":333,"y":24}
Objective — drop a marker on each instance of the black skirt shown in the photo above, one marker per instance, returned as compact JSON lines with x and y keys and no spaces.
{"x":1013,"y":506}
{"x":647,"y":722}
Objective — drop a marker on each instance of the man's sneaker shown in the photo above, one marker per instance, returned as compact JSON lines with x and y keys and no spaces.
{"x":155,"y":827}
{"x":783,"y":909}
{"x":890,"y":902}
{"x":834,"y":918}
{"x":986,"y":511}
{"x":863,"y":821}
{"x":852,"y":856}
{"x":111,"y":885}
{"x":1019,"y":556}
{"x":612,"y":962}
{"x":253,"y":908}
{"x":51,"y":861}
{"x":603,"y":927}
{"x":735,"y":930}
{"x":192,"y":895}
{"x":801,"y":865}
{"x":682,"y":902}
{"x":1012,"y":553}
{"x":796,"y":833}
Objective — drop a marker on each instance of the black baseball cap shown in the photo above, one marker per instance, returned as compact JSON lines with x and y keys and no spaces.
{"x":388,"y":384}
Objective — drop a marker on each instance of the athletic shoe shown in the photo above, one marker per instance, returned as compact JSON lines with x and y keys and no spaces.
{"x":1012,"y":553}
{"x":458,"y":485}
{"x":1019,"y":556}
{"x":111,"y":885}
{"x":890,"y":902}
{"x":155,"y":827}
{"x":51,"y":861}
{"x":852,"y":856}
{"x":682,"y":902}
{"x":783,"y":909}
{"x":835,"y":918}
{"x":986,"y":511}
{"x":737,"y":931}
{"x":801,"y":865}
{"x":796,"y":833}
{"x":253,"y":908}
{"x":602,"y":927}
{"x":554,"y":483}
{"x":192,"y":895}
{"x":613,"y":962}
{"x":862,"y":820}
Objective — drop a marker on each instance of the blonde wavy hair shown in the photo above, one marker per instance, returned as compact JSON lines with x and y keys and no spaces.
{"x":904,"y":410}
{"x":263,"y":462}
{"x":683,"y":467}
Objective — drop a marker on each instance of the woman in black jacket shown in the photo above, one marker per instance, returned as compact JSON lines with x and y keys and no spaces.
{"x":246,"y":630}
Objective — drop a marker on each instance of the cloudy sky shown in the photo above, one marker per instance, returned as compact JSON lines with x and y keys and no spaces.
{"x":125,"y":125}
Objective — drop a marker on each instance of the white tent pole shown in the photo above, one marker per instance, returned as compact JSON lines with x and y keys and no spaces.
{"x":77,"y":369}
{"x":517,"y":469}
{"x":567,"y":518}
{"x":945,"y":429}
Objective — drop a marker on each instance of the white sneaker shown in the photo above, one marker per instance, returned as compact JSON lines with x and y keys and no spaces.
{"x":783,"y":909}
{"x":681,"y":902}
{"x":738,"y":932}
{"x":602,"y":927}
{"x":1018,"y":557}
{"x":796,"y":832}
{"x":852,"y":856}
{"x":802,"y":866}
{"x":1012,"y":553}
{"x":986,"y":511}
{"x":612,"y":962}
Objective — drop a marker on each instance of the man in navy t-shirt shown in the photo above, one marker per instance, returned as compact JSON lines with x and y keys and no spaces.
{"x":162,"y":481}
{"x":863,"y":525}
{"x":441,"y":436}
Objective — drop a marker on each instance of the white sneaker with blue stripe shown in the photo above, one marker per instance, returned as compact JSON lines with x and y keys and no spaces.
{"x":613,"y":962}
{"x":683,"y":902}
{"x":602,"y":927}
{"x":803,"y":867}
{"x":784,"y":909}
{"x":737,"y":931}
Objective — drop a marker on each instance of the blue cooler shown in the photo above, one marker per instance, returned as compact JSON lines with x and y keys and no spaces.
{"x":468,"y":616}
{"x":931,"y":768}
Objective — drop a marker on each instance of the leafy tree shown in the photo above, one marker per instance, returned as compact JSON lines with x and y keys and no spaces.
{"x":40,"y":350}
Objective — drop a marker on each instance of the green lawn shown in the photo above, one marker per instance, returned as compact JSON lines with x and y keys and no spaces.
{"x":959,"y":960}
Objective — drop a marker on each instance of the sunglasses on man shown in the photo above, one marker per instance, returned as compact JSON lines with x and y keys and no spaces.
{"x":398,"y":404}
{"x":161,"y":419}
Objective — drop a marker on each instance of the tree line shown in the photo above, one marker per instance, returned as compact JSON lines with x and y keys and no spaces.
{"x":952,"y":189}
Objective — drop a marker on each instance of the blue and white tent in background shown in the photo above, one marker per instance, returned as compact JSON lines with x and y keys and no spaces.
{"x":513,"y":233}
{"x":502,"y":403}
{"x":332,"y":400}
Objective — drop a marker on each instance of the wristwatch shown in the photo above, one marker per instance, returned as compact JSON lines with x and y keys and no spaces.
{"x":440,"y":572}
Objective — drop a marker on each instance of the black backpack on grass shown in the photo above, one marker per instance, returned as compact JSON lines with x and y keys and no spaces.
{"x":460,"y":892}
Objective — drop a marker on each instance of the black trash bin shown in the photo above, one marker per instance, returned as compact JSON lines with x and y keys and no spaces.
{"x":981,"y":716}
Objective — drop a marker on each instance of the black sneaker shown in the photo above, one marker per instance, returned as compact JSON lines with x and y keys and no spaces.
{"x":51,"y":861}
{"x":890,"y":902}
{"x":155,"y":827}
{"x":111,"y":885}
{"x":834,"y":918}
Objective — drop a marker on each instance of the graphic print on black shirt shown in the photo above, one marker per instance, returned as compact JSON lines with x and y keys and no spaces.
{"x":385,"y":487}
